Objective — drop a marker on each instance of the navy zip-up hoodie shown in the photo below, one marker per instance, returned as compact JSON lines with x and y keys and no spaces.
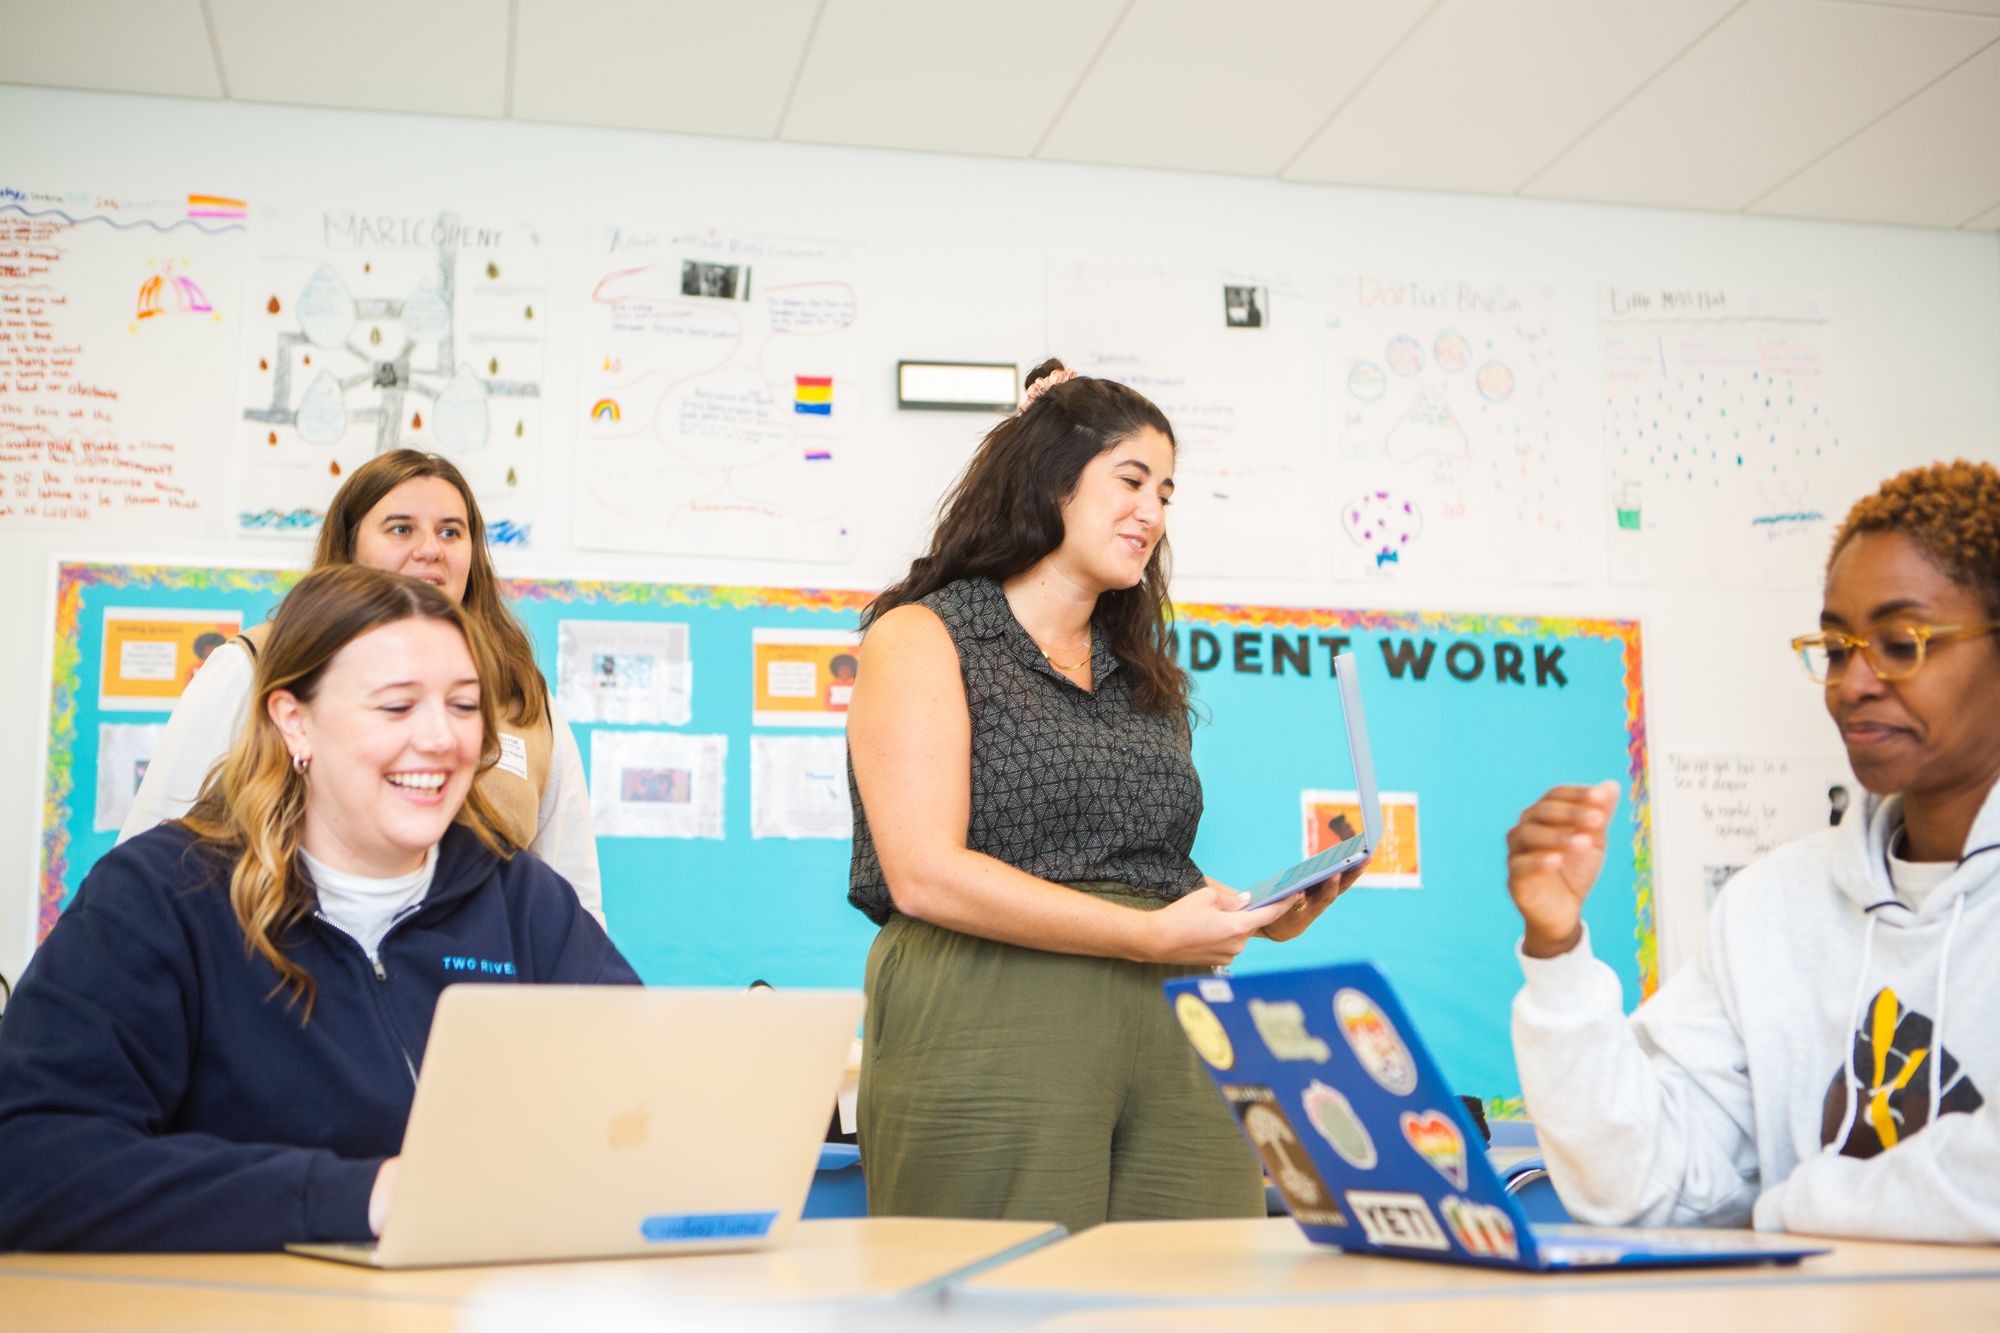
{"x":156,"y":1095}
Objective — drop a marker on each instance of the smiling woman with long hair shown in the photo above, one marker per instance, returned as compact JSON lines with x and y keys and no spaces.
{"x":410,"y":513}
{"x":1830,"y":1062}
{"x":216,"y":1046}
{"x":1024,"y":805}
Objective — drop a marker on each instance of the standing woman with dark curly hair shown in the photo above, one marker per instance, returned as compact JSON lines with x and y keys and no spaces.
{"x":1024,"y":805}
{"x":410,"y":513}
{"x":1830,"y":1062}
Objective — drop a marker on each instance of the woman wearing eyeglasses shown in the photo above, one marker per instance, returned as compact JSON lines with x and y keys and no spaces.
{"x":1830,"y":1062}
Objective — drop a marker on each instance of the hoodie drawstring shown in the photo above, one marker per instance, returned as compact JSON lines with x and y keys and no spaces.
{"x":1853,"y":1027}
{"x":1937,"y":1024}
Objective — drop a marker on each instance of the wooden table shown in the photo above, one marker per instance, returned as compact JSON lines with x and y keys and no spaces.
{"x":1203,"y":1267}
{"x":824,"y":1263}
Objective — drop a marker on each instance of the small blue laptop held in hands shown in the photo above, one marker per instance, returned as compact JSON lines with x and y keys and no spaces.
{"x":1369,"y":1148}
{"x":1350,"y":851}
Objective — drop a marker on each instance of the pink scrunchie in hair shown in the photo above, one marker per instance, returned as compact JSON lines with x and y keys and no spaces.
{"x":1043,"y":385}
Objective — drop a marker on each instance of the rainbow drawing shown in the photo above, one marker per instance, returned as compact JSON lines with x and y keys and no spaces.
{"x":819,"y":455}
{"x":149,"y":297}
{"x":190,"y":296}
{"x":813,"y":395}
{"x":215,"y":206}
{"x":605,"y":409}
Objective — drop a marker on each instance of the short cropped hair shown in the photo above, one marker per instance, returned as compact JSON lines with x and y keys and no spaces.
{"x":1951,"y":511}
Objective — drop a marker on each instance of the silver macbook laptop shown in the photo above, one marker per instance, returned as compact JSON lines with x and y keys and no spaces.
{"x":1352,"y":851}
{"x":572,"y":1122}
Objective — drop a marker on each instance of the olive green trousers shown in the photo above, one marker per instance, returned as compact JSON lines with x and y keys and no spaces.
{"x":1003,"y":1082}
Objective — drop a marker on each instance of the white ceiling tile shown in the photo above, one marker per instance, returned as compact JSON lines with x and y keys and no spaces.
{"x":1933,"y":161}
{"x":691,"y":66}
{"x":1483,"y":95}
{"x":1773,"y":87}
{"x":961,"y":77}
{"x":442,"y":56}
{"x":127,"y":46}
{"x":1238,"y":87}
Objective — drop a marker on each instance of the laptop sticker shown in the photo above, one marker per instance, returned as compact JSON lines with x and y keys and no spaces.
{"x":1205,"y":1031}
{"x":1333,"y":1116}
{"x":1285,"y":1158}
{"x":1480,"y":1228}
{"x":1438,"y":1142}
{"x":1400,"y":1220}
{"x":668,"y":1228}
{"x":1282,"y":1025}
{"x":1374,"y":1041}
{"x":1216,"y":989}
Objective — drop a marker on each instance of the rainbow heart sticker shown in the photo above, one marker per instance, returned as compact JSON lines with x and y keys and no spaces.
{"x":1438,"y":1142}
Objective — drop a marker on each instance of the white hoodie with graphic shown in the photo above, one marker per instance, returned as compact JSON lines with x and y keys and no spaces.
{"x":1731,"y":1095}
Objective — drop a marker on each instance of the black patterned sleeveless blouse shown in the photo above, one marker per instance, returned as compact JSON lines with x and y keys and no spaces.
{"x":1067,"y":784}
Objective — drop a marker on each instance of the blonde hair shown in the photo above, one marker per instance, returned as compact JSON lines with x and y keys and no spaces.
{"x":252,"y":808}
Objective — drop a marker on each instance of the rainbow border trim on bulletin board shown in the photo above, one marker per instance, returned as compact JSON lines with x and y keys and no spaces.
{"x":1645,"y":933}
{"x":67,"y":685}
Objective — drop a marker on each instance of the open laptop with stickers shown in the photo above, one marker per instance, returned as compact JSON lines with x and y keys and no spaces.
{"x":574,"y":1122}
{"x":1368,"y":1146}
{"x":1349,"y":851}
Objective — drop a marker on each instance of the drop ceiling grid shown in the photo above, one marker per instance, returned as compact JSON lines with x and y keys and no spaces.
{"x":1774,"y":86}
{"x":1482,"y":96}
{"x":682,"y":66}
{"x":1933,"y":161}
{"x":122,"y":46}
{"x":440,"y":56}
{"x":1233,"y":88}
{"x":944,"y":77}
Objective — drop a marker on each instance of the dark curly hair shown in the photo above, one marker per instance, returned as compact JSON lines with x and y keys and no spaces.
{"x":1951,"y":511}
{"x":1005,"y":513}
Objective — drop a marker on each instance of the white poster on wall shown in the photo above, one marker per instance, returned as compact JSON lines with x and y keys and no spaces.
{"x":1441,"y":407}
{"x":624,"y":671}
{"x":1723,"y":455}
{"x":798,"y":787}
{"x":656,"y":784}
{"x":367,"y":332}
{"x":722,"y":400}
{"x":1227,"y":355}
{"x":117,"y":335}
{"x":123,"y":752}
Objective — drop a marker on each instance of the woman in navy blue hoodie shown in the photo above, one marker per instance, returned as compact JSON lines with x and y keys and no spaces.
{"x":216,"y":1047}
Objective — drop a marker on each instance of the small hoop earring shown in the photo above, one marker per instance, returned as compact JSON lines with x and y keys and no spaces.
{"x":300,"y":763}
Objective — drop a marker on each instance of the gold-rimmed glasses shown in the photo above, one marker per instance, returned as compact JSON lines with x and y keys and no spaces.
{"x":1894,"y":652}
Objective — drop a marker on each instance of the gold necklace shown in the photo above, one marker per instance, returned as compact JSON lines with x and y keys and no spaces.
{"x":1066,"y":666}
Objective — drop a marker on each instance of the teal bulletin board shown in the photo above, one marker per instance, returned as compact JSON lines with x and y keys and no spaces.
{"x":1472,"y":717}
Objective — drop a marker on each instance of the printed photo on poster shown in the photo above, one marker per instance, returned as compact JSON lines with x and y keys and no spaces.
{"x":624,"y":671}
{"x":804,"y":677}
{"x":798,"y":787}
{"x":1334,"y":816}
{"x":123,"y":751}
{"x":150,"y":655}
{"x":656,"y":784}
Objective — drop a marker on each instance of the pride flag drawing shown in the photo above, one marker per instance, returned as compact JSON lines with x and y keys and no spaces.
{"x":215,"y":206}
{"x":813,"y":395}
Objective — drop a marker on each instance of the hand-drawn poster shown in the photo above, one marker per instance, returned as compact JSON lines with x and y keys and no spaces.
{"x":117,"y":319}
{"x":1227,"y":355}
{"x":1723,"y":457}
{"x":656,"y":784}
{"x":367,"y":332}
{"x":624,"y":671}
{"x":722,"y":395}
{"x":1720,"y":812}
{"x":1448,"y":459}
